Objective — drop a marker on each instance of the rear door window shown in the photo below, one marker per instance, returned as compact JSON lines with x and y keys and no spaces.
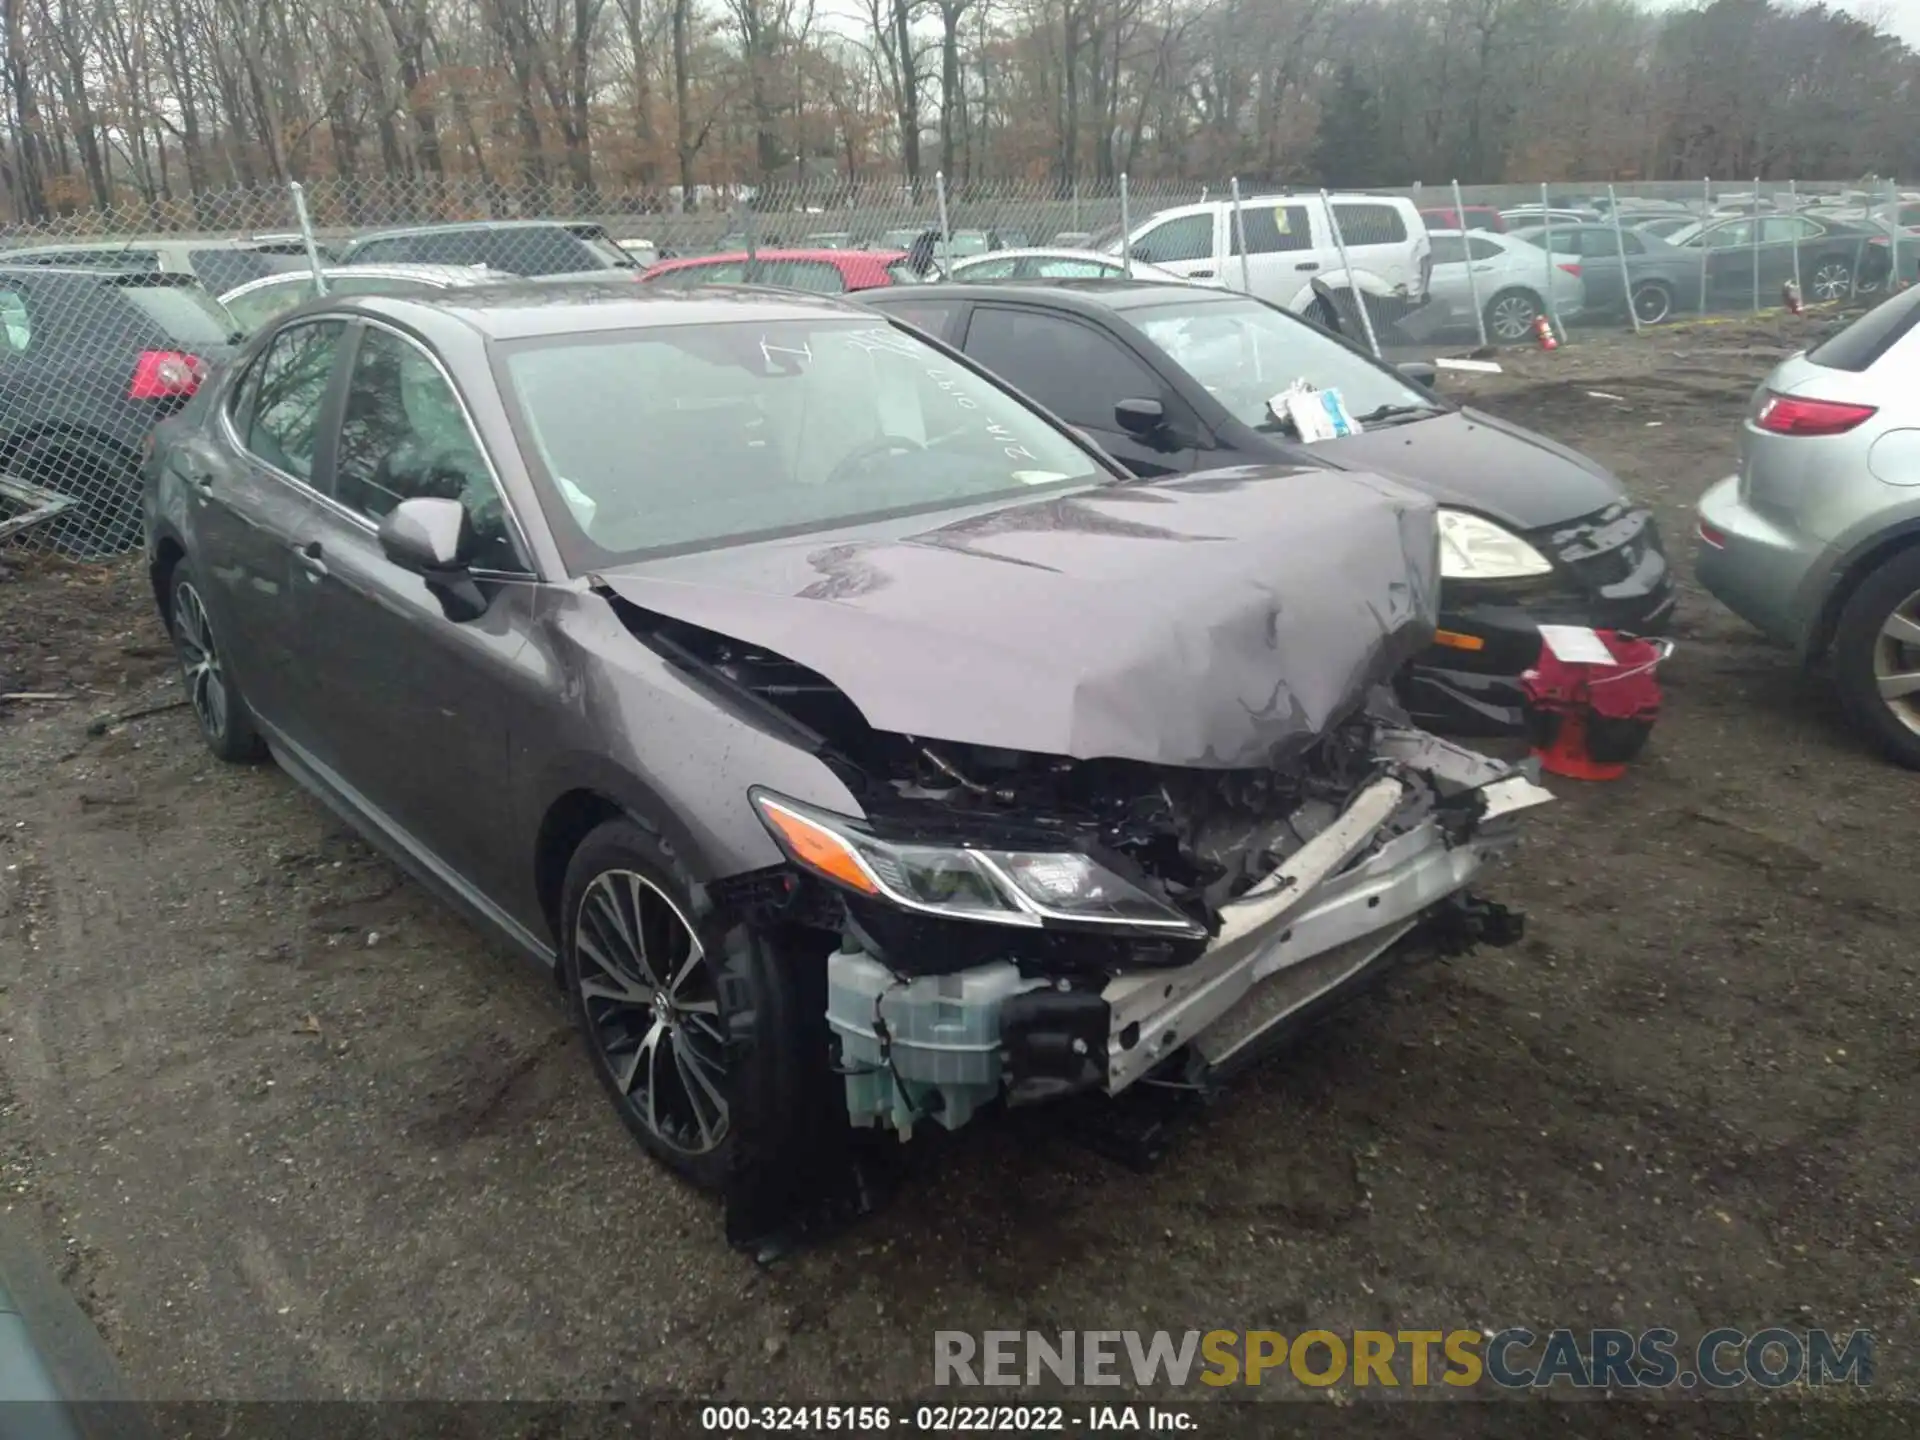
{"x":288,"y":392}
{"x":1479,"y":247}
{"x":1271,"y":229}
{"x":536,"y":250}
{"x":1858,"y":346}
{"x":818,"y":276}
{"x":1449,"y":250}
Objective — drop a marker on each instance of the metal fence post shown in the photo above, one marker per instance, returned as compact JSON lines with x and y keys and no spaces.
{"x":946,"y":231}
{"x":1240,"y":240}
{"x":1620,"y":248}
{"x":1553,"y":309}
{"x":753,"y":241}
{"x":1346,"y":265}
{"x":1793,"y":200}
{"x":1466,"y":245}
{"x":1706,"y":215}
{"x":306,"y":236}
{"x":1893,"y":235}
{"x":1076,"y":203}
{"x":1126,"y":225}
{"x":1753,"y":241}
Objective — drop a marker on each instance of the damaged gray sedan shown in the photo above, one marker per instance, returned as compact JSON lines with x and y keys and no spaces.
{"x":859,"y":747}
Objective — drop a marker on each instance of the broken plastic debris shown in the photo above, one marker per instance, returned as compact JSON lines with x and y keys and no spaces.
{"x":1604,"y":395}
{"x":1482,"y":367}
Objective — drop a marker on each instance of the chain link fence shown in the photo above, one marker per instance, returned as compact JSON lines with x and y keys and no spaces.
{"x":110,"y":318}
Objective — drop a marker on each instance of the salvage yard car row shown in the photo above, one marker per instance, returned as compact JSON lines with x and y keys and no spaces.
{"x":876,"y":713}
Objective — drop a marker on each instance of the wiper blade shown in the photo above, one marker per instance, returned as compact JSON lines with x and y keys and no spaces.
{"x":1397,"y":412}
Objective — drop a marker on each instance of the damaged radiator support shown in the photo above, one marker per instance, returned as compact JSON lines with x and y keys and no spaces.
{"x":1387,"y":876}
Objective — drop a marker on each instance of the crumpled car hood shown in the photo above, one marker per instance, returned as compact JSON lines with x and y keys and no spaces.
{"x":1218,"y":620}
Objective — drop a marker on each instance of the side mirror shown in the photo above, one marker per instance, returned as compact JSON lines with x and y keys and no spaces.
{"x":1142,"y":419}
{"x":1421,"y":372}
{"x":433,"y":538}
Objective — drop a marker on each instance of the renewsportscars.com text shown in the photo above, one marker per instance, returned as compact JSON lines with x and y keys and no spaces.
{"x":1514,"y":1359}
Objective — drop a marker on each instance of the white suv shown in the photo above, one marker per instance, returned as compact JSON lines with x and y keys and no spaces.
{"x":1290,"y":245}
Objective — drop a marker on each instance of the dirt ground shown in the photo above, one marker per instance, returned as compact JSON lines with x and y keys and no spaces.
{"x":298,"y":1131}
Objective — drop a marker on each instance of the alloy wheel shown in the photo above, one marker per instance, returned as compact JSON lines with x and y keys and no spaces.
{"x":1510,"y":317}
{"x":200,"y":667}
{"x":1652,"y":303}
{"x":653,"y":1009}
{"x":1831,"y":280}
{"x":1896,"y":662}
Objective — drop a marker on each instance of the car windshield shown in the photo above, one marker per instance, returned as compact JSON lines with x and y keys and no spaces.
{"x":603,"y":246}
{"x":694,"y":436}
{"x":1246,"y":353}
{"x":253,"y":308}
{"x":1688,"y":234}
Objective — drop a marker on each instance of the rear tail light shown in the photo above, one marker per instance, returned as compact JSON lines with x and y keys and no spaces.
{"x":1571,"y":269}
{"x":1794,"y":415}
{"x":166,"y":374}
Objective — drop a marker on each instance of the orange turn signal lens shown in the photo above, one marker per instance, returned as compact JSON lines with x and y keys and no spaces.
{"x":1454,"y":640}
{"x":817,"y":847}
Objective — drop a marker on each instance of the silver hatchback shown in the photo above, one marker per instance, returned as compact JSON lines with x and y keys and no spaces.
{"x":1816,"y":539}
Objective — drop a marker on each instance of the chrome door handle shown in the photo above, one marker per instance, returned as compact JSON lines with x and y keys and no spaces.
{"x":308,"y":558}
{"x":1308,"y":265}
{"x":1201,"y":274}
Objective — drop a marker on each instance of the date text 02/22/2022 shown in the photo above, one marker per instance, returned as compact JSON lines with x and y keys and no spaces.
{"x":940,"y":1419}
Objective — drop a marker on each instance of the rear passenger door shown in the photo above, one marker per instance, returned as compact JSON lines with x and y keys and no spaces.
{"x":1081,"y":373}
{"x":249,"y":509}
{"x":1282,"y":254}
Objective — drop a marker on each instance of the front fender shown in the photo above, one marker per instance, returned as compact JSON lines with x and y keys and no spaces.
{"x":1365,"y":281}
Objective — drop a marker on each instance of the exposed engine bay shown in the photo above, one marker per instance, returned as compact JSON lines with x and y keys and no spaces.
{"x":1282,"y":885}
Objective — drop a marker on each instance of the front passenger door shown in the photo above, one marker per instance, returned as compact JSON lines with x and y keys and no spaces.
{"x":416,"y":709}
{"x":1081,"y":374}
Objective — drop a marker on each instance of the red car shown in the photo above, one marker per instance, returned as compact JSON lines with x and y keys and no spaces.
{"x":1479,"y":217}
{"x":826,"y":272}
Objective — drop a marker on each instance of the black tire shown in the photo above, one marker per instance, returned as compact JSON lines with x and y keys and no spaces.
{"x":1510,"y":316}
{"x":1653,"y":302}
{"x":226,"y":724}
{"x":104,"y":520}
{"x":1864,"y":652}
{"x":746,"y":1020}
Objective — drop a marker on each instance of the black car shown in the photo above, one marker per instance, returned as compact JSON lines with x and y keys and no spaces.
{"x":90,"y":362}
{"x":1177,"y":378}
{"x":1832,"y":258}
{"x":1663,"y":279}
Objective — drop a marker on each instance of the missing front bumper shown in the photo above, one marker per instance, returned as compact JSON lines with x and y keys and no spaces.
{"x":1397,"y":859}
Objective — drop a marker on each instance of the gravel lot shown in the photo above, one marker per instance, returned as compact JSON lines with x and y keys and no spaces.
{"x":298,"y":1131}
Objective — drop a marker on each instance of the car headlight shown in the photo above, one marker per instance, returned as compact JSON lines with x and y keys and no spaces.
{"x":1025,"y":888}
{"x":1474,"y":548}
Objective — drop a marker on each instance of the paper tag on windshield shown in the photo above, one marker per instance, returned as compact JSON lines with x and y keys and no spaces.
{"x":1315,"y":414}
{"x":1576,"y":645}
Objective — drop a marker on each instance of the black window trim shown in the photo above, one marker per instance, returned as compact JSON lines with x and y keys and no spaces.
{"x":329,"y":404}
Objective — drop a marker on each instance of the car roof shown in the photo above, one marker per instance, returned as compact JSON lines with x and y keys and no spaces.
{"x":102,"y":275}
{"x":1082,"y":296}
{"x":831,"y":257}
{"x":144,"y":242}
{"x":1037,"y":252}
{"x":524,"y":309}
{"x":403,"y":231}
{"x":385,"y":270}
